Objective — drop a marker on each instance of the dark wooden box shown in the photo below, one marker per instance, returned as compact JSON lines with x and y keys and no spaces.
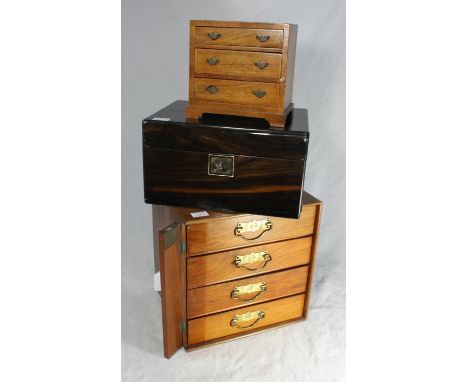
{"x":227,"y":163}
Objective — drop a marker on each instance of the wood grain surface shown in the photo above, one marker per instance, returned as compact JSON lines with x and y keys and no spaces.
{"x":261,"y":185}
{"x":171,"y":293}
{"x":253,"y":66}
{"x":237,"y":92}
{"x":216,"y":298}
{"x":244,"y":39}
{"x":239,"y":36}
{"x":217,"y":235}
{"x":219,"y":267}
{"x":218,"y":325}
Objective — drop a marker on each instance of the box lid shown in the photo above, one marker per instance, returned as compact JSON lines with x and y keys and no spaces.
{"x":170,"y":129}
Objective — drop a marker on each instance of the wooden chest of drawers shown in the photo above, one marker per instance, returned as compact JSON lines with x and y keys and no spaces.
{"x":241,"y":68}
{"x":228,"y":275}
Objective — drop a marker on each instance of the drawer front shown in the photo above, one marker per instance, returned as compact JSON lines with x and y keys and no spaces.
{"x":244,"y":319}
{"x":247,"y":230}
{"x":230,"y":295}
{"x":262,"y":38}
{"x":250,"y":65}
{"x":236,"y":92}
{"x":219,"y":267}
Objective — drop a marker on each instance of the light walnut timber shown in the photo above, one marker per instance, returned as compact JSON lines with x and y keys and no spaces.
{"x":216,"y":298}
{"x":199,"y":274}
{"x":218,"y":325}
{"x":229,"y":51}
{"x":218,"y":267}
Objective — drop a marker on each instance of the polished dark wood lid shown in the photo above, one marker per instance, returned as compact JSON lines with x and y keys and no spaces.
{"x":170,"y":129}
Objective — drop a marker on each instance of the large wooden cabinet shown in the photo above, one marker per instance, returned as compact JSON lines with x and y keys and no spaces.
{"x":227,"y":275}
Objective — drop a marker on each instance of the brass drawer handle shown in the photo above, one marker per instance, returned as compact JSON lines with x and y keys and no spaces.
{"x":262,"y":38}
{"x":214,"y":35}
{"x":212,"y":60}
{"x":253,"y":226}
{"x":212,"y":89}
{"x":259,"y":93}
{"x":253,"y":257}
{"x":238,"y":318}
{"x":238,"y":291}
{"x":261,"y":64}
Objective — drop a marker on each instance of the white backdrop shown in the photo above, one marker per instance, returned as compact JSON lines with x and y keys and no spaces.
{"x":155,"y":46}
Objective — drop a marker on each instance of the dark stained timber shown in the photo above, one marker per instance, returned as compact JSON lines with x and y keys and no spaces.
{"x":215,"y":164}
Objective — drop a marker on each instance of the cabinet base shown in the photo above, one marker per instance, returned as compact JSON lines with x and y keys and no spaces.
{"x":195,"y":111}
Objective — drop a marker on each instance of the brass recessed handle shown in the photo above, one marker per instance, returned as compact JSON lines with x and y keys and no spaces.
{"x":212,"y":60}
{"x":259,"y":93}
{"x":253,"y":226}
{"x":249,"y":316}
{"x":238,"y":291}
{"x":263,"y":38}
{"x":214,"y":35}
{"x":252,"y":258}
{"x":212,"y":89}
{"x":261,"y":64}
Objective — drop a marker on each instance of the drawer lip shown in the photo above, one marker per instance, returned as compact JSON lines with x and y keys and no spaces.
{"x":304,"y":226}
{"x":221,"y":270}
{"x":238,"y":65}
{"x":215,"y":332}
{"x":247,"y":37}
{"x":294,"y":275}
{"x":227,"y":89}
{"x":236,"y":336}
{"x":228,"y":249}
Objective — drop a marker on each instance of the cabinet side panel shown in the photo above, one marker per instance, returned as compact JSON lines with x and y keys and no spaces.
{"x":313,"y":258}
{"x":291,"y":55}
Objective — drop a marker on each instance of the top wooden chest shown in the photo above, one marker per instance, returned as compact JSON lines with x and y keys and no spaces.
{"x":241,"y":68}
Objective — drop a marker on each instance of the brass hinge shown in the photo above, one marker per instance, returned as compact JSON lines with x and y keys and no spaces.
{"x":182,"y":247}
{"x":170,"y":235}
{"x":183,"y":326}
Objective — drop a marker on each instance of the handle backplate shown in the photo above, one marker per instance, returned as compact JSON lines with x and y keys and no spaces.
{"x":212,"y":60}
{"x":263,"y":38}
{"x":212,"y":89}
{"x":259,"y":93}
{"x":252,"y":258}
{"x":261,"y":64}
{"x":253,"y":226}
{"x":238,"y":291}
{"x":214,"y":35}
{"x":249,"y":316}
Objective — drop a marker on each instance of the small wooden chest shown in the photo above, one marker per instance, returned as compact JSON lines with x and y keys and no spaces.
{"x":241,"y":68}
{"x":224,"y":163}
{"x":228,"y":275}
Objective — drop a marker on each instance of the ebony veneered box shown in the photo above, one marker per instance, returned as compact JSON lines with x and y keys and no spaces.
{"x":226,"y":163}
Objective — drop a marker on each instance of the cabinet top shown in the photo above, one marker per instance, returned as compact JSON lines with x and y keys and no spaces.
{"x":175,"y":114}
{"x":241,"y":24}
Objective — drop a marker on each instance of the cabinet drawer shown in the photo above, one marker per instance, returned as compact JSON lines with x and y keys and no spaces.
{"x":230,"y":295}
{"x":246,"y":230}
{"x":248,"y":65}
{"x":236,"y":92}
{"x":218,"y":267}
{"x":263,"y":38}
{"x":244,"y":319}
